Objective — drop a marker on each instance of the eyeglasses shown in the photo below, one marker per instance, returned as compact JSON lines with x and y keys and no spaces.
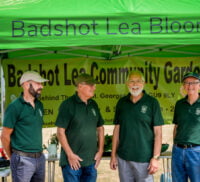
{"x":190,"y":83}
{"x":135,"y":82}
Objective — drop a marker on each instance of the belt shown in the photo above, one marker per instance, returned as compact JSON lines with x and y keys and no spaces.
{"x":185,"y":146}
{"x":27,"y":154}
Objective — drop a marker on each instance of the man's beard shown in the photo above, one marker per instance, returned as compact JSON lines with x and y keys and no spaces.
{"x":34,"y":92}
{"x":135,"y":93}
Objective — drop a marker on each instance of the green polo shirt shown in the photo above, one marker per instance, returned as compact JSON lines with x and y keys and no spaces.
{"x":80,"y":121}
{"x":136,"y":120}
{"x":187,"y":117}
{"x":26,"y":123}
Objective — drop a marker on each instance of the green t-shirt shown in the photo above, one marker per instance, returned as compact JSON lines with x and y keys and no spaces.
{"x":80,"y":121}
{"x":26,"y":123}
{"x":187,"y":117}
{"x":136,"y":120}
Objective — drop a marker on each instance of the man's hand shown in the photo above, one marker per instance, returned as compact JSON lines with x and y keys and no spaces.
{"x":153,"y":166}
{"x":74,"y":161}
{"x":113,"y":163}
{"x":97,"y":158}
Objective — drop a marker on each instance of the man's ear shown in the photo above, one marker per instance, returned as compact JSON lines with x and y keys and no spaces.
{"x":26,"y":85}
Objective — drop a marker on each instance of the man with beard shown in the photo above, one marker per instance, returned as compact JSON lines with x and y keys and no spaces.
{"x":22,"y":131}
{"x":137,"y":136}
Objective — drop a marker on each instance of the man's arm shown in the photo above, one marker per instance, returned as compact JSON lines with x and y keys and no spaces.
{"x":97,"y":158}
{"x":5,"y":140}
{"x":153,"y":166}
{"x":74,"y":160}
{"x":115,"y":142}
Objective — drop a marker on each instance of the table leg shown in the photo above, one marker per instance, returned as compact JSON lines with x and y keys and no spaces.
{"x":4,"y":179}
{"x":53,"y":171}
{"x":49,"y":171}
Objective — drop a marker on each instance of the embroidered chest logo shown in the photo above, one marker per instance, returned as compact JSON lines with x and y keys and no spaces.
{"x":144,"y":109}
{"x":94,"y":112}
{"x":197,"y":111}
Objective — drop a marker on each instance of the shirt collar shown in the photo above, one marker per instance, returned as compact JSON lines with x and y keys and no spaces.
{"x":186,"y":98}
{"x":21,"y":98}
{"x":78,"y":99}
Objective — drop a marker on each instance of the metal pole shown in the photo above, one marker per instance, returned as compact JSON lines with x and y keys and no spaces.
{"x":2,"y":89}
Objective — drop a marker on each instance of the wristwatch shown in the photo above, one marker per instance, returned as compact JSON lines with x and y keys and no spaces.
{"x":156,"y":157}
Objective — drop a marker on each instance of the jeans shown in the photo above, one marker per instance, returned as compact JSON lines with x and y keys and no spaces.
{"x":27,"y":169}
{"x":83,"y":174}
{"x":186,"y":164}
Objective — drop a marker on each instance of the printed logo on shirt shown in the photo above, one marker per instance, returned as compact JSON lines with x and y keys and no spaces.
{"x":94,"y":112}
{"x":144,"y":109}
{"x":197,"y":111}
{"x":40,"y":112}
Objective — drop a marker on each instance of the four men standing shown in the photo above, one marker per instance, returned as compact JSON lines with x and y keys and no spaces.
{"x":137,"y":136}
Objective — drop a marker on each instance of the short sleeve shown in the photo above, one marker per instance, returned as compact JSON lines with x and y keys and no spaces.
{"x":175,"y":119}
{"x":64,"y":115}
{"x":116,"y":117}
{"x":10,"y":116}
{"x":157,"y":115}
{"x":100,"y":120}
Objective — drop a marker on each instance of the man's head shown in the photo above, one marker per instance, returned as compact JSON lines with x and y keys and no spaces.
{"x":86,"y":85}
{"x":191,"y":74}
{"x":135,"y":83}
{"x":32,"y":76}
{"x":86,"y":79}
{"x":191,"y":83}
{"x":31,"y":82}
